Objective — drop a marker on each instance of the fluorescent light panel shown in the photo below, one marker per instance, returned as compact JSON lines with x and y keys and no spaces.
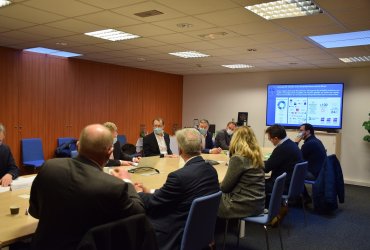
{"x":4,"y":3}
{"x":355,"y":59}
{"x":340,"y":40}
{"x":188,"y":54}
{"x":237,"y":66}
{"x":285,"y":9}
{"x":112,"y":35}
{"x":53,"y":52}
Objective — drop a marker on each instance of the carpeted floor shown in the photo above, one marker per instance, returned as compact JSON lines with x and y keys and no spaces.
{"x":346,"y":228}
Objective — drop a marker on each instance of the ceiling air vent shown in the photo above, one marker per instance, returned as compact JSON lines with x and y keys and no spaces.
{"x":148,"y":13}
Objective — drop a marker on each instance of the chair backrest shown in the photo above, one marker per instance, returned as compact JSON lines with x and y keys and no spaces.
{"x":32,"y":149}
{"x":122,"y":139}
{"x":62,"y":140}
{"x":200,"y":224}
{"x":131,"y":233}
{"x":297,"y":181}
{"x":276,"y":195}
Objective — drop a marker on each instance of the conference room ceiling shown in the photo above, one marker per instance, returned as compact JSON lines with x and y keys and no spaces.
{"x":223,"y":29}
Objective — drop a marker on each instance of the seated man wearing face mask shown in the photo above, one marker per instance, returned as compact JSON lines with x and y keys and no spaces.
{"x":223,"y":137}
{"x":157,"y":142}
{"x":118,"y":158}
{"x":207,"y":143}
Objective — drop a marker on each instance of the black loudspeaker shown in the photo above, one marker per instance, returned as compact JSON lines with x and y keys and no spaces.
{"x":242,"y":119}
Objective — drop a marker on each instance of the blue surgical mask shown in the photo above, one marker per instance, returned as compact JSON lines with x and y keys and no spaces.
{"x":202,"y":131}
{"x":158,"y":131}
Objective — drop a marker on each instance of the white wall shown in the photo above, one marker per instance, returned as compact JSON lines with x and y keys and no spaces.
{"x":220,"y":97}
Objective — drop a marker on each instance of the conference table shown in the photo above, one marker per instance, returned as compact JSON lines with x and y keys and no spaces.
{"x":17,"y":227}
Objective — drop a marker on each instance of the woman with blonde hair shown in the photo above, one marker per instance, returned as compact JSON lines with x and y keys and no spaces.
{"x":243,"y":188}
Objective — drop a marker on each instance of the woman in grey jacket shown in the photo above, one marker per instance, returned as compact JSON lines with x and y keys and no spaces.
{"x":243,"y":188}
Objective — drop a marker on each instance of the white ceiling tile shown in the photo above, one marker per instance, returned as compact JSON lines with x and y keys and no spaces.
{"x":175,"y":24}
{"x":67,"y":8}
{"x":108,"y":19}
{"x":143,"y":42}
{"x":129,"y":11}
{"x":74,"y":25}
{"x":12,"y":23}
{"x":198,"y":6}
{"x":145,"y":30}
{"x":255,"y":28}
{"x":109,"y":4}
{"x":229,"y":17}
{"x":28,"y":14}
{"x":175,"y":38}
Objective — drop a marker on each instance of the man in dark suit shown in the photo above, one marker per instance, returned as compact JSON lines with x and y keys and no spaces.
{"x":223,"y":137}
{"x":207,"y":142}
{"x":313,"y":150}
{"x":283,"y":158}
{"x":118,"y":158}
{"x":70,"y":196}
{"x":8,"y":169}
{"x":168,"y":207}
{"x":157,"y":142}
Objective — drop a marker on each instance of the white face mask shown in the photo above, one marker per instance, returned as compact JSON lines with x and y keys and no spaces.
{"x":229,"y":131}
{"x":300,"y":134}
{"x":114,"y":140}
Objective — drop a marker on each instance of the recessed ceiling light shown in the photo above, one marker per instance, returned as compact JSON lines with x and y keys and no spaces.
{"x":348,"y":39}
{"x":285,"y":9}
{"x":112,"y":35}
{"x":188,"y":54}
{"x":4,"y":3}
{"x":53,"y":52}
{"x":355,"y":59}
{"x":237,"y":66}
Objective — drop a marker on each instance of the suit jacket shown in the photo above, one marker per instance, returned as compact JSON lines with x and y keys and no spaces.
{"x":150,"y":145}
{"x":169,"y":206}
{"x":314,"y":152}
{"x":118,"y":155}
{"x":283,"y":159}
{"x":243,"y":189}
{"x":71,"y":196}
{"x":208,"y":144}
{"x":222,"y":140}
{"x":329,"y":186}
{"x":7,"y":163}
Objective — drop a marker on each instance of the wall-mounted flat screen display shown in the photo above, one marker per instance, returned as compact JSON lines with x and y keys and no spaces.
{"x":320,"y":104}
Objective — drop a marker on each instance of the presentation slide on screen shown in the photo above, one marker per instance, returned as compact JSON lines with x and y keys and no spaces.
{"x":292,"y":105}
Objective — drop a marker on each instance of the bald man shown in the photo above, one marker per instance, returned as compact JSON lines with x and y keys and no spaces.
{"x":70,"y":196}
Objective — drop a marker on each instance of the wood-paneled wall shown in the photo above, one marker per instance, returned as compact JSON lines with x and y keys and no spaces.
{"x":50,"y":97}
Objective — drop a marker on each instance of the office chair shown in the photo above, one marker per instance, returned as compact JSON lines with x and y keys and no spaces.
{"x":122,"y":139}
{"x":62,"y":140}
{"x":32,"y":153}
{"x":131,"y":233}
{"x":297,"y":185}
{"x":200,"y":224}
{"x":274,"y":208}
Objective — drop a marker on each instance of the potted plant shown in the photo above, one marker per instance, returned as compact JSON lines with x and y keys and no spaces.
{"x":366,"y":125}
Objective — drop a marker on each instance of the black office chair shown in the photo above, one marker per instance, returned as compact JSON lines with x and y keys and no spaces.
{"x":131,"y":233}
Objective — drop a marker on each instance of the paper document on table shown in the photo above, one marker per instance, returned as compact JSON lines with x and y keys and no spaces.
{"x":22,"y":182}
{"x":4,"y":189}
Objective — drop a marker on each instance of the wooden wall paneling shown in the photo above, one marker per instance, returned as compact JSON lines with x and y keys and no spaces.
{"x":32,"y":97}
{"x":130,"y":103}
{"x":9,"y":99}
{"x":59,"y":102}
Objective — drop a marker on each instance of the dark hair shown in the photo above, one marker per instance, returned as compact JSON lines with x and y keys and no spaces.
{"x":276,"y":130}
{"x":231,"y":123}
{"x":309,"y":127}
